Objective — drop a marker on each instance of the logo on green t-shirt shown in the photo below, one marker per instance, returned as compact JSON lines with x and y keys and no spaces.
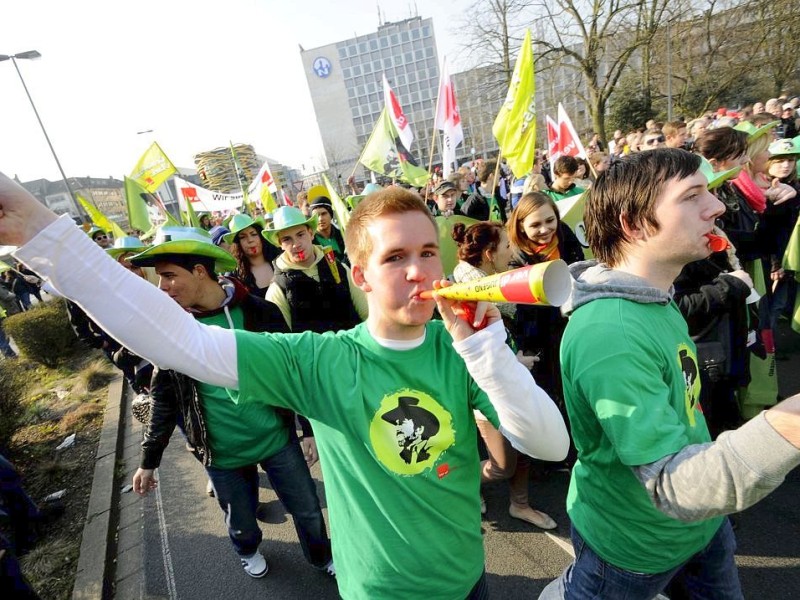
{"x":409,"y":432}
{"x":691,"y":381}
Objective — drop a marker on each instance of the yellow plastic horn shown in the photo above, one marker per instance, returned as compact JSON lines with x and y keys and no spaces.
{"x":546,"y":283}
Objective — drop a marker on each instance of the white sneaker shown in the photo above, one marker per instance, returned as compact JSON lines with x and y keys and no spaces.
{"x":210,"y":489}
{"x":330,"y":569}
{"x":256,"y":566}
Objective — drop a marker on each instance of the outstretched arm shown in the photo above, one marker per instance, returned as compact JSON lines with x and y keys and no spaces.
{"x":135,"y":313}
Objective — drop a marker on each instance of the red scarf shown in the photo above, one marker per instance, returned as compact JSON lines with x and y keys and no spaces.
{"x":749,"y":189}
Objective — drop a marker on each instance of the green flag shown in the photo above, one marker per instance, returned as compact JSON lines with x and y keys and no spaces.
{"x":339,"y":207}
{"x":99,"y":219}
{"x":515,"y":125}
{"x":791,"y":262}
{"x":385,"y":154}
{"x":138,"y":216}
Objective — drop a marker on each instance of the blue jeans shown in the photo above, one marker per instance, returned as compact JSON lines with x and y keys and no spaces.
{"x":5,"y":345}
{"x":17,"y":508}
{"x":237,"y":493}
{"x":710,"y":574}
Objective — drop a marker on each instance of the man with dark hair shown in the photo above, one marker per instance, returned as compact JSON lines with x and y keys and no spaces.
{"x":400,"y":529}
{"x":649,"y":493}
{"x":564,"y":171}
{"x":231,"y":440}
{"x":484,"y":204}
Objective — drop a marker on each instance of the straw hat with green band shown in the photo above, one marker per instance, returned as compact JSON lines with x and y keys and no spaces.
{"x":125,"y":245}
{"x":717,"y":179}
{"x":785,"y":147}
{"x":754,"y":132}
{"x":284,"y":218}
{"x":239,"y":223}
{"x":190,"y":241}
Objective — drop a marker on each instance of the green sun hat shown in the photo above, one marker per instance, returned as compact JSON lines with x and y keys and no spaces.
{"x":716,"y":179}
{"x":126,"y":244}
{"x":785,"y":147}
{"x":754,"y":132}
{"x":238,"y":223}
{"x":185,"y":240}
{"x":285,"y":217}
{"x":371,"y":187}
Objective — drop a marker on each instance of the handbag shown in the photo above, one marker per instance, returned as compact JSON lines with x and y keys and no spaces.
{"x":714,"y":349}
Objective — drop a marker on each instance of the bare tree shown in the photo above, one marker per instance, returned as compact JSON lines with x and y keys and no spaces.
{"x":779,"y":24}
{"x":492,"y":32}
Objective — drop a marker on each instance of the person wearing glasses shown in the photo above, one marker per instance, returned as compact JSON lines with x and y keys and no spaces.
{"x":100,"y":237}
{"x":652,"y":139}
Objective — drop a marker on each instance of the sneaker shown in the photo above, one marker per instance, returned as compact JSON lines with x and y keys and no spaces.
{"x":210,"y":489}
{"x":330,"y":569}
{"x":256,"y":566}
{"x":483,"y":505}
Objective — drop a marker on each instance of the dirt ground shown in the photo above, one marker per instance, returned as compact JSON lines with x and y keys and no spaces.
{"x":59,"y":402}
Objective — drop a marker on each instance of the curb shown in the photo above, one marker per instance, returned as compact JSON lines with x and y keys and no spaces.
{"x":94,"y":560}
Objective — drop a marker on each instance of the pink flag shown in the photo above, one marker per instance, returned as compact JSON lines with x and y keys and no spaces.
{"x":448,"y":120}
{"x":568,"y":141}
{"x":395,"y":112}
{"x":553,"y":150}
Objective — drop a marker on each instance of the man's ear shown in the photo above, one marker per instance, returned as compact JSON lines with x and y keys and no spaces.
{"x":632,"y":232}
{"x":359,"y":279}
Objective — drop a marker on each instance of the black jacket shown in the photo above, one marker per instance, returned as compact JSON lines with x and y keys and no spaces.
{"x":175,"y":394}
{"x":477,"y":206}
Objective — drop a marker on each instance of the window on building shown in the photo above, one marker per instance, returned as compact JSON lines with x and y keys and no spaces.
{"x":353,"y":102}
{"x":367,"y":68}
{"x":426,"y":30}
{"x":373,"y":106}
{"x":356,"y":71}
{"x":352,"y":50}
{"x":434,"y":68}
{"x":384,"y":42}
{"x":429,"y":51}
{"x":404,"y":36}
{"x":346,"y":73}
{"x":342,"y":52}
{"x":414,"y":87}
{"x":408,"y":57}
{"x":373,"y":44}
{"x":415,"y":34}
{"x":363,"y":48}
{"x":360,"y":90}
{"x":387,"y":63}
{"x":371,"y":87}
{"x":401,"y":79}
{"x":349,"y":84}
{"x":373,"y":97}
{"x":355,"y":112}
{"x":422,"y":73}
{"x":394,"y":39}
{"x":412,"y":77}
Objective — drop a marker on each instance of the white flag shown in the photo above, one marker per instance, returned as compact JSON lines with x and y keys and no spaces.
{"x":395,"y":112}
{"x":448,"y":121}
{"x":569,"y":144}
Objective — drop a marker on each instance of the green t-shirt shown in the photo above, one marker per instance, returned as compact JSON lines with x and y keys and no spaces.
{"x":238,"y":434}
{"x":397,"y":443}
{"x":556,"y":196}
{"x":632,"y":392}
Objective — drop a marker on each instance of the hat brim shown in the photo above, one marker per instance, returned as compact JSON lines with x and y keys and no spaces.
{"x":115,"y":253}
{"x":224,"y":261}
{"x":720,"y":177}
{"x":230,"y":237}
{"x":271,"y":235}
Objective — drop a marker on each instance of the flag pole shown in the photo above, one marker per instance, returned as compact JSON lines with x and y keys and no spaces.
{"x":369,"y":139}
{"x":433,"y":136}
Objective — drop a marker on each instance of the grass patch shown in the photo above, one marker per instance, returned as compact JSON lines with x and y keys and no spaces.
{"x":79,"y":418}
{"x":47,"y":565}
{"x":94,"y":376}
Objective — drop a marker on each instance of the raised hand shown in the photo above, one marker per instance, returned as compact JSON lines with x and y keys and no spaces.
{"x":21,"y":215}
{"x":483,"y":314}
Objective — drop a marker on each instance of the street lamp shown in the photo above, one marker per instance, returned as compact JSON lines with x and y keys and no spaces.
{"x":32,"y":55}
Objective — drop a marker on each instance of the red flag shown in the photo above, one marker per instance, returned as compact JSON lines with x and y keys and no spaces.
{"x":568,"y":141}
{"x":448,"y":120}
{"x":553,"y":149}
{"x":395,"y":112}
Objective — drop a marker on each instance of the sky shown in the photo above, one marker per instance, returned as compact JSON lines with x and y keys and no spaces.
{"x":198,"y":73}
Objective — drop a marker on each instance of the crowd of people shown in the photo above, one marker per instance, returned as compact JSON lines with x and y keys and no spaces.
{"x":685,"y":225}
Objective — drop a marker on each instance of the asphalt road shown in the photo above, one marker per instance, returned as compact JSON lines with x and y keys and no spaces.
{"x":186,"y":552}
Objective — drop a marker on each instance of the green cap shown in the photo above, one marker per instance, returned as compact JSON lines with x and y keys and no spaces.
{"x":126,"y":244}
{"x":191,"y":241}
{"x":371,"y":187}
{"x":754,"y":132}
{"x":284,"y":218}
{"x":238,"y":223}
{"x":785,"y":147}
{"x":94,"y":230}
{"x":716,"y":179}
